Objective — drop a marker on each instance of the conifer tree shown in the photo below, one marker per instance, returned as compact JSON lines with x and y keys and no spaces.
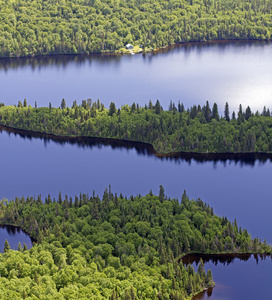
{"x":6,"y":246}
{"x":226,"y":112}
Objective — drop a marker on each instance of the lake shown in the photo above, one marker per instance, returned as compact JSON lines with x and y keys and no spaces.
{"x":237,"y":72}
{"x":247,"y":277}
{"x":236,"y":188}
{"x":14,"y":235}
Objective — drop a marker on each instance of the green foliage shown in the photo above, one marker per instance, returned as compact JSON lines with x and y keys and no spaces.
{"x":114,"y":248}
{"x":198,"y":129}
{"x":85,"y":252}
{"x":39,"y":27}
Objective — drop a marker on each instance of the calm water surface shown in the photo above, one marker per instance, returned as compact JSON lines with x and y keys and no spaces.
{"x":235,"y":189}
{"x":14,"y":235}
{"x":191,"y":74}
{"x":237,"y":72}
{"x":238,"y":279}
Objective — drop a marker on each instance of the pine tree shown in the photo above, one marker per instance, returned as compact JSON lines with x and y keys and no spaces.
{"x":207,"y":112}
{"x":63,"y":104}
{"x":6,"y":246}
{"x":24,"y":247}
{"x":215,"y":114}
{"x":226,"y":112}
{"x":248,"y":113}
{"x":112,"y":109}
{"x":161,"y":194}
{"x":157,"y":107}
{"x":20,"y":248}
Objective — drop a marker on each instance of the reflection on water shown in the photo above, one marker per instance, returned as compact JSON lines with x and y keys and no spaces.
{"x":142,"y":149}
{"x":14,"y":235}
{"x":233,"y":278}
{"x":224,"y":259}
{"x":192,"y":74}
{"x":104,"y":59}
{"x":56,"y":61}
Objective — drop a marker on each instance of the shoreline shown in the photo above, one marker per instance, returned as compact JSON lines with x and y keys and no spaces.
{"x":12,"y":226}
{"x":207,"y":257}
{"x":153,"y":51}
{"x":189,"y":258}
{"x":147,"y":147}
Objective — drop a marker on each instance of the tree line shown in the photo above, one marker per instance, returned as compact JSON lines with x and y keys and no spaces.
{"x":196,"y":129}
{"x":38,"y":27}
{"x":115,"y":247}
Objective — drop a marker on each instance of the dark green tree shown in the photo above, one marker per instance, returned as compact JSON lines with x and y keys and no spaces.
{"x":63,"y":104}
{"x":6,"y":246}
{"x":112,"y":109}
{"x":157,"y":107}
{"x":215,"y":114}
{"x":226,"y":112}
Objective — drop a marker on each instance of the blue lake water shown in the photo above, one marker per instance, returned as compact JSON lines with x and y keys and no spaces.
{"x":237,"y":72}
{"x":14,"y":235}
{"x":220,"y":72}
{"x":235,"y":189}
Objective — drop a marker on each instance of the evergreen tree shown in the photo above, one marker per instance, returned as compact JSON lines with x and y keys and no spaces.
{"x":63,"y":104}
{"x":157,"y":107}
{"x":226,"y":112}
{"x":24,"y":247}
{"x":207,"y":112}
{"x":248,"y":113}
{"x":161,"y":194}
{"x":215,"y":114}
{"x":6,"y":246}
{"x":20,"y":248}
{"x":112,"y":109}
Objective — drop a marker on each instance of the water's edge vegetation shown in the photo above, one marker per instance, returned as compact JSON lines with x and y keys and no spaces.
{"x":87,"y":26}
{"x":197,"y":130}
{"x":115,"y":247}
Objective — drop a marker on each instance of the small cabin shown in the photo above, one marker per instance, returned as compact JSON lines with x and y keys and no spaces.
{"x":129,"y":46}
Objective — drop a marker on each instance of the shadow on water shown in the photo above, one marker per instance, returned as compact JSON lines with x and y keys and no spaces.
{"x":202,"y":295}
{"x":14,"y":235}
{"x":103,"y":59}
{"x":224,"y":259}
{"x":62,"y":61}
{"x":144,"y":149}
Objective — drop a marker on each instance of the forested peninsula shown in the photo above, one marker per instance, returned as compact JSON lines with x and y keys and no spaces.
{"x":38,"y":27}
{"x":115,"y":247}
{"x":197,"y":129}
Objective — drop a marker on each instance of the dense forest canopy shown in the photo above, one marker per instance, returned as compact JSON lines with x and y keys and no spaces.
{"x":40,"y":27}
{"x":197,"y":129}
{"x":114,"y":247}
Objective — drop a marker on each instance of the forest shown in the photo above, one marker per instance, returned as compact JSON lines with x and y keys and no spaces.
{"x":196,"y":129}
{"x":39,"y":27}
{"x":115,"y":247}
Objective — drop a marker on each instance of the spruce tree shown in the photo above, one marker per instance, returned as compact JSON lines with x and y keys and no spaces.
{"x":226,"y":112}
{"x":6,"y":246}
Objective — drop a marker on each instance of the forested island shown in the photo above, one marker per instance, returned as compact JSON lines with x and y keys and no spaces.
{"x":29,"y":28}
{"x":115,"y":247}
{"x":196,"y":129}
